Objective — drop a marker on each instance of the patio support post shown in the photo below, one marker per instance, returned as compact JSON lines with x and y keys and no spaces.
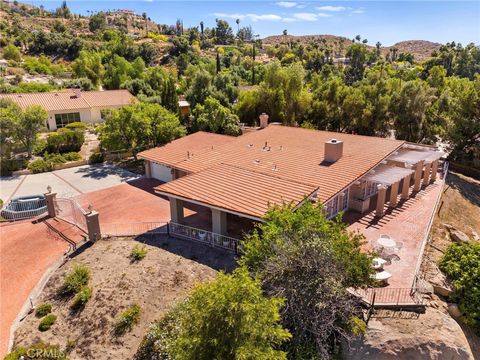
{"x":50,"y":200}
{"x":176,"y":210}
{"x":219,"y":222}
{"x":93,"y":226}
{"x":418,"y":176}
{"x":426,"y":174}
{"x":394,"y":194}
{"x":148,"y":169}
{"x":434,"y":171}
{"x":382,"y":192}
{"x":405,"y":187}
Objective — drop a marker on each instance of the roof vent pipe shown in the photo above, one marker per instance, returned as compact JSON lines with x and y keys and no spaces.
{"x":333,"y":150}
{"x":77,"y":93}
{"x":263,"y":121}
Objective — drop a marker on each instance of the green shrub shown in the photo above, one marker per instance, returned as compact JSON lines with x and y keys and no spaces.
{"x":461,"y":264}
{"x":127,"y":319}
{"x":65,"y":140}
{"x":39,"y":166}
{"x":75,"y":279}
{"x":138,"y":253}
{"x":80,"y":126}
{"x":96,"y":158}
{"x":43,"y":310}
{"x":47,"y":351}
{"x":7,"y":166}
{"x":72,"y":156}
{"x":39,"y":147}
{"x":47,"y":322}
{"x":81,"y":298}
{"x":54,"y":159}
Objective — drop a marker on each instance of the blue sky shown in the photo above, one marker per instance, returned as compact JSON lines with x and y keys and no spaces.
{"x":384,"y":21}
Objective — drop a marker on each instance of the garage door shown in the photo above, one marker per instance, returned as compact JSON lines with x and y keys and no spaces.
{"x":161,"y":172}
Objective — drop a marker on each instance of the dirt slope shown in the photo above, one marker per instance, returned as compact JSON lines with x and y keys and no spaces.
{"x":155,"y":283}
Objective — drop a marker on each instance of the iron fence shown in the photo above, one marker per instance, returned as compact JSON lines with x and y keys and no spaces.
{"x":389,"y":296}
{"x":70,"y":211}
{"x":204,"y":236}
{"x":134,"y":229}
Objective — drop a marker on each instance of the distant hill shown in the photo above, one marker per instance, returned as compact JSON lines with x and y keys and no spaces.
{"x":421,"y":49}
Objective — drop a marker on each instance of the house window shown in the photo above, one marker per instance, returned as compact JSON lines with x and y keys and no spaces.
{"x":64,"y":119}
{"x":337,"y":204}
{"x":370,"y":189}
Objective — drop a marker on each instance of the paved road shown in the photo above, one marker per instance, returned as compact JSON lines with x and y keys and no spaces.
{"x":67,"y":182}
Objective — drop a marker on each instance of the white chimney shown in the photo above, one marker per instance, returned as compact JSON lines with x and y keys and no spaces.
{"x":263,"y":121}
{"x":333,"y":150}
{"x":77,"y":93}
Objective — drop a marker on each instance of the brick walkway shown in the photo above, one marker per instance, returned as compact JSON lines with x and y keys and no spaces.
{"x":407,"y":223}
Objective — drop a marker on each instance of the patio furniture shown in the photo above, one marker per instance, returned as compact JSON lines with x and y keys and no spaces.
{"x":382,"y":276}
{"x":377,"y":263}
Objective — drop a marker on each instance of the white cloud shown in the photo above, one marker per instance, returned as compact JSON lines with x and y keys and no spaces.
{"x":358,"y":11}
{"x":287,"y":4}
{"x":331,"y":8}
{"x":306,"y":16}
{"x":252,"y":17}
{"x":324,"y":15}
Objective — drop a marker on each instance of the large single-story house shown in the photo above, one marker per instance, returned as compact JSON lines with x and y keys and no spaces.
{"x":243,"y":176}
{"x":64,"y":107}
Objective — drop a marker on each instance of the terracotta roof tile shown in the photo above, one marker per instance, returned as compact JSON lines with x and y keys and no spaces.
{"x":189,"y":146}
{"x":291,"y":154}
{"x":67,"y":100}
{"x":239,"y":190}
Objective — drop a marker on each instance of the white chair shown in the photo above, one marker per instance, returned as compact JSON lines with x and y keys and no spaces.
{"x":377,"y":263}
{"x":382,"y":276}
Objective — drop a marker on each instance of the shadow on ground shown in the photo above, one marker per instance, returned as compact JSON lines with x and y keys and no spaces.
{"x":470,"y":190}
{"x":217,"y":259}
{"x":101,"y":171}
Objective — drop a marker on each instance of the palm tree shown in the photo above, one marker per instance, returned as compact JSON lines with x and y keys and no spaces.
{"x":144,"y":15}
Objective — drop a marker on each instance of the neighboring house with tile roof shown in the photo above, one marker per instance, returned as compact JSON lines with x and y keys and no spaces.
{"x":64,"y":107}
{"x":245,"y":175}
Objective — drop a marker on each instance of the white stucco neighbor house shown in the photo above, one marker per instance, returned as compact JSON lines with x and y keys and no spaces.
{"x":64,"y":107}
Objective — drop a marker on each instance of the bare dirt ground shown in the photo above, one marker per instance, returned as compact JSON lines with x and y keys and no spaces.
{"x":167,"y":273}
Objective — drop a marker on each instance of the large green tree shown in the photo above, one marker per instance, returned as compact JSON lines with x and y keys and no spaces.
{"x":214,"y":117}
{"x":310,"y":261}
{"x":28,"y":125}
{"x":139,"y":126}
{"x":228,"y":318}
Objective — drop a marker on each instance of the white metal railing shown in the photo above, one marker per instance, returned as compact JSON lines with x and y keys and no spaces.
{"x":203,"y":236}
{"x":134,"y":229}
{"x":70,"y":211}
{"x":24,"y":207}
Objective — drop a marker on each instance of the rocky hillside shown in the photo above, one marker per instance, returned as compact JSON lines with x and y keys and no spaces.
{"x":421,"y":49}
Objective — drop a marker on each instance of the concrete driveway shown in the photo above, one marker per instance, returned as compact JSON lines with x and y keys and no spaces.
{"x":66,"y":182}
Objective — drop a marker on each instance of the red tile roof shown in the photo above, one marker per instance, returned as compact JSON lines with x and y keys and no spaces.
{"x":67,"y":100}
{"x":238,"y":190}
{"x":189,"y":146}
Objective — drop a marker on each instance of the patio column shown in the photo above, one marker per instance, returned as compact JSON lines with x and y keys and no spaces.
{"x":382,"y":192}
{"x":418,"y":176}
{"x":176,"y":210}
{"x":148,"y":169}
{"x":426,"y":174}
{"x":434,"y":171}
{"x":405,"y":187}
{"x":394,"y":194}
{"x":219,"y":222}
